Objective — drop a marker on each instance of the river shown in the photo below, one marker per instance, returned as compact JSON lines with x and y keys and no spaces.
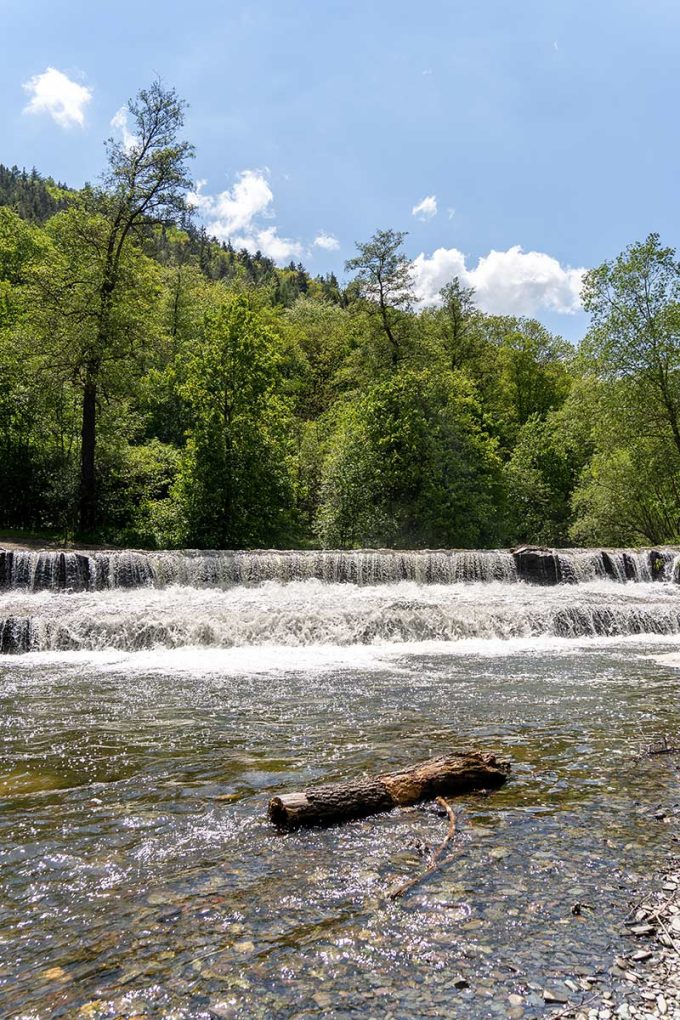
{"x":151,"y":703}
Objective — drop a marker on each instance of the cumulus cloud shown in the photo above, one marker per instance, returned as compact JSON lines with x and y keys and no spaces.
{"x":119,"y":122}
{"x":426,"y":209}
{"x":234,"y":215}
{"x":326,"y":241}
{"x":268,"y":241}
{"x":235,"y":209}
{"x":54,"y":93}
{"x":512,"y":282}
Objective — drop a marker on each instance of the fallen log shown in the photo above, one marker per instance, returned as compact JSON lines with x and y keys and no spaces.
{"x":460,"y":772}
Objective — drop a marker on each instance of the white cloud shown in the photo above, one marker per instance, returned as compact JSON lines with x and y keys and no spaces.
{"x":234,"y":215}
{"x":54,"y":93}
{"x":119,"y":122}
{"x":236,"y":208}
{"x":426,"y":209}
{"x":326,"y":241}
{"x":512,"y":282}
{"x":267,"y":241}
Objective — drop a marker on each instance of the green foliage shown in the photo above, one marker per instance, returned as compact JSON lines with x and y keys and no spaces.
{"x":629,"y":495}
{"x":383,"y":278}
{"x":234,"y":487}
{"x":631,"y":360}
{"x":540,"y":476}
{"x":409,"y":465}
{"x":158,"y":387}
{"x":135,"y":486}
{"x":34,"y":198}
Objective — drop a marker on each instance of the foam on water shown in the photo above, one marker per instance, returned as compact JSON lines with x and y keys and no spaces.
{"x":316,"y":659}
{"x":302,"y":614}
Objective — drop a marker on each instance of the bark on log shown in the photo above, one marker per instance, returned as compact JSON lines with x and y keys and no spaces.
{"x":454,"y":773}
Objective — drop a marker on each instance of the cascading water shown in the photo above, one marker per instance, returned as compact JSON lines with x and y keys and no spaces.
{"x":96,"y":571}
{"x":130,"y":601}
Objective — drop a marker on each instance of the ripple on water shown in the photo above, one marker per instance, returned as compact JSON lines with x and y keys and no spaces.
{"x":130,"y":887}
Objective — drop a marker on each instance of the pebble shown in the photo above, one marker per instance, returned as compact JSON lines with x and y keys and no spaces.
{"x":551,"y":996}
{"x":55,"y":974}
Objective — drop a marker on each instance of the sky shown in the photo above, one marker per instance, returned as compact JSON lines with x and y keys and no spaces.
{"x":518,"y":144}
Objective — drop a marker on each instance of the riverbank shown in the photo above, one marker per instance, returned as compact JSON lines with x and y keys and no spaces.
{"x":651,"y":968}
{"x":19,"y":541}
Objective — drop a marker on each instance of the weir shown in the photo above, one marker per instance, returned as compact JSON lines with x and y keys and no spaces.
{"x":131,"y":601}
{"x":31,"y":570}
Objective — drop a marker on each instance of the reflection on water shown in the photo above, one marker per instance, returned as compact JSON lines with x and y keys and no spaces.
{"x":140,"y":877}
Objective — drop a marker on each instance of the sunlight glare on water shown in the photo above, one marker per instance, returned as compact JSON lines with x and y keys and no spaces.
{"x":146,"y":729}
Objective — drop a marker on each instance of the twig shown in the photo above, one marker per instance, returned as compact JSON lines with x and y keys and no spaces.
{"x":436,"y":858}
{"x":574,"y":1008}
{"x":650,"y":751}
{"x":666,"y":749}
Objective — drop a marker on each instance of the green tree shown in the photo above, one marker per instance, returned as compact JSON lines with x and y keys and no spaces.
{"x":383,"y":277}
{"x":409,"y":465}
{"x":64,"y":339}
{"x":22,"y":474}
{"x":634,"y":302}
{"x":630,"y":361}
{"x":234,"y":487}
{"x":145,"y":183}
{"x":629,"y":494}
{"x":627,"y":490}
{"x":541,"y":474}
{"x":457,"y":317}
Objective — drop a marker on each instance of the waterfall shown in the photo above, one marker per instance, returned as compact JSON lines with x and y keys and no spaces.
{"x":131,"y":600}
{"x":99,"y":571}
{"x":96,"y":571}
{"x":313,"y":612}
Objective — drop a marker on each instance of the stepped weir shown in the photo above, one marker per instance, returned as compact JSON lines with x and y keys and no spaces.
{"x":49,"y":570}
{"x":130,"y":601}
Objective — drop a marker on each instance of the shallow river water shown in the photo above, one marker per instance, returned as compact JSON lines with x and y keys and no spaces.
{"x":140,"y":877}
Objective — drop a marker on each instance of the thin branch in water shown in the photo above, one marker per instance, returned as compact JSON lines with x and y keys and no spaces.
{"x":666,"y":749}
{"x":436,"y":861}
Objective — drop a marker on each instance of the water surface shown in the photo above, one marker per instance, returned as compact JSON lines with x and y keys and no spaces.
{"x":140,"y":876}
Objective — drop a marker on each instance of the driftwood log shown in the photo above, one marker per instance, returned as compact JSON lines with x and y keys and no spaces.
{"x":454,"y":773}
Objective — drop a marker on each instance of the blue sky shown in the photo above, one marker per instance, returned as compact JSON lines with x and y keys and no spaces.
{"x":541,"y":136}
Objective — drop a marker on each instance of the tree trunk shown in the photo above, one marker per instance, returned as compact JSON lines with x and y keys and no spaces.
{"x":88,"y":488}
{"x":394,"y":346}
{"x":455,"y":773}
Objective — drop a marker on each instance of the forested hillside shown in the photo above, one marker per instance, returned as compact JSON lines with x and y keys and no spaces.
{"x":159,"y":388}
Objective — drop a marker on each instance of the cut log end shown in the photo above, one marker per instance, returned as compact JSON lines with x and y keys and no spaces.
{"x":462,"y":772}
{"x":283,"y":810}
